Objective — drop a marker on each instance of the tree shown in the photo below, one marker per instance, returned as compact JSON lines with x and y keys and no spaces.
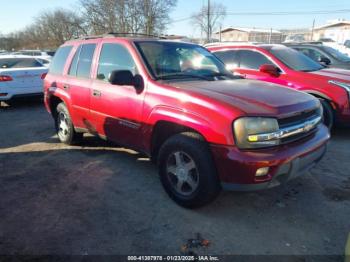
{"x":48,"y":31}
{"x":56,"y":27}
{"x":209,"y":17}
{"x":127,"y":16}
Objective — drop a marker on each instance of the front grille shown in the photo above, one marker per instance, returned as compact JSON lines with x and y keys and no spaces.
{"x":299,"y":118}
{"x":296,"y":120}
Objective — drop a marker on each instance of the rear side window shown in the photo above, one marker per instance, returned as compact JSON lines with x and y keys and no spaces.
{"x":229,"y":58}
{"x":19,"y":63}
{"x":82,"y":61}
{"x":252,"y":60}
{"x":59,"y":60}
{"x":114,"y":57}
{"x":74,"y":65}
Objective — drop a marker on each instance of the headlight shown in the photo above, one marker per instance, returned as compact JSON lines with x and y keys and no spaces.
{"x":346,"y":86}
{"x":256,"y":132}
{"x":259,"y":132}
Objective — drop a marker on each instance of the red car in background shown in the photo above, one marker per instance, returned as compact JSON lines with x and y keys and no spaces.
{"x":282,"y":65}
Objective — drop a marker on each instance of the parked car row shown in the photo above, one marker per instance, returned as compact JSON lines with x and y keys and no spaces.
{"x":201,"y":116}
{"x":206,"y":128}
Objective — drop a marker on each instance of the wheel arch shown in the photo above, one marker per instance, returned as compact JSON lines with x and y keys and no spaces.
{"x":163,"y":130}
{"x":318,"y":95}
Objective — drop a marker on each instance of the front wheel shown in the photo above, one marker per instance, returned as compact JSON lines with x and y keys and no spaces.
{"x":64,"y":126}
{"x":328,"y":115}
{"x":187,"y":170}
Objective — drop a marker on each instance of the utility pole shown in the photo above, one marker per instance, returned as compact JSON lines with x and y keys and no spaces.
{"x":312,"y":30}
{"x":209,"y":27}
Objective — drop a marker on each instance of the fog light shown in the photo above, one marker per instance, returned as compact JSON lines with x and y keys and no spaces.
{"x":262,"y":171}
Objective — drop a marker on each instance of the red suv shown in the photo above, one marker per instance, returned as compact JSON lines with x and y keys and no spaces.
{"x":285,"y":66}
{"x":176,"y":102}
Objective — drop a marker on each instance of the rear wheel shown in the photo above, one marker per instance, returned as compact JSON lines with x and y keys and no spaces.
{"x":64,"y":126}
{"x":187,"y":171}
{"x":328,"y":115}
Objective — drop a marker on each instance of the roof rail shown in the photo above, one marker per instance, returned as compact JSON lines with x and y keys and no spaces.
{"x":116,"y":34}
{"x":304,"y":43}
{"x":87,"y":37}
{"x":229,"y":43}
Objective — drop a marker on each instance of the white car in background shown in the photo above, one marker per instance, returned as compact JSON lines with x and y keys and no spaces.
{"x":21,"y":76}
{"x":36,"y":53}
{"x":343,"y":47}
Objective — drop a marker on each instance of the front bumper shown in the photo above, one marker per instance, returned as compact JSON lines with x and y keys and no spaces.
{"x":237,"y":168}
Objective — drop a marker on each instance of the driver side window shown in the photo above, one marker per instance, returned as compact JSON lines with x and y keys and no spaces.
{"x":252,"y":60}
{"x":114,"y":57}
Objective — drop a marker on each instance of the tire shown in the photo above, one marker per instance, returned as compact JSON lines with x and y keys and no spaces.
{"x":187,"y":170}
{"x":64,"y":126}
{"x":328,"y":115}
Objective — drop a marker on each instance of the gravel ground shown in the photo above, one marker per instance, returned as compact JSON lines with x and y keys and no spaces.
{"x":104,"y":200}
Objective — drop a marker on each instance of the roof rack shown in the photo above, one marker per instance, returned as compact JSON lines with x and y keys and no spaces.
{"x":304,"y":43}
{"x":116,"y":34}
{"x":231,"y":43}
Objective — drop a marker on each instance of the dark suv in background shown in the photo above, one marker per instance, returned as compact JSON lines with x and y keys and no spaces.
{"x":325,"y":55}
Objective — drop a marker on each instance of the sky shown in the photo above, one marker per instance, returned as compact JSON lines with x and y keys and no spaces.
{"x":19,"y":13}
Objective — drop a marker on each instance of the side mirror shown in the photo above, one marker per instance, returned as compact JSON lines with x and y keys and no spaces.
{"x":324,"y":60}
{"x":270,"y":69}
{"x":121,"y":78}
{"x":126,"y":78}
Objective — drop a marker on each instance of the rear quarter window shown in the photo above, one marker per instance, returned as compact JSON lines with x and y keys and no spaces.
{"x":59,"y":60}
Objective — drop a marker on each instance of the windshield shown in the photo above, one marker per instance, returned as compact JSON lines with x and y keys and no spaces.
{"x":295,"y":60}
{"x":174,"y":60}
{"x":336,"y":54}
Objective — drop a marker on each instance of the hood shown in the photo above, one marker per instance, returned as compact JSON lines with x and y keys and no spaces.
{"x":334,"y":73}
{"x":253,"y":97}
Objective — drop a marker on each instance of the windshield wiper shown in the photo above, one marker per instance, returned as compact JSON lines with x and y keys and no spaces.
{"x":229,"y":75}
{"x":179,"y":75}
{"x":312,"y":70}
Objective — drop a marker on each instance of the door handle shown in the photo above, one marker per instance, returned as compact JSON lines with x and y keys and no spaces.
{"x":96,"y":93}
{"x":66,"y":87}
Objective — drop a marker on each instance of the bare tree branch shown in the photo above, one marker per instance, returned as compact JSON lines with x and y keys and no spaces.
{"x":207,"y":24}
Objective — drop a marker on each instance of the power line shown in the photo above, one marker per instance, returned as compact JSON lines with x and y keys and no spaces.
{"x":291,"y":13}
{"x":319,"y":12}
